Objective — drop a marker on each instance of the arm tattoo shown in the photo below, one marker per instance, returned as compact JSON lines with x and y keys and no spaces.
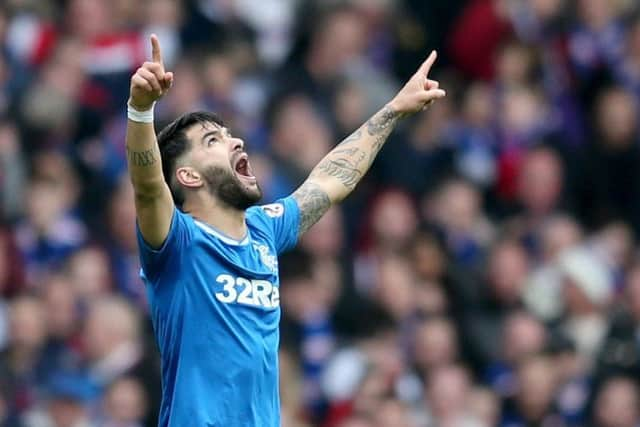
{"x":352,"y":157}
{"x":353,"y":137}
{"x":382,"y":121}
{"x":344,"y":165}
{"x":313,"y":203}
{"x":380,"y":126}
{"x":141,"y":158}
{"x":341,"y":169}
{"x":355,"y":153}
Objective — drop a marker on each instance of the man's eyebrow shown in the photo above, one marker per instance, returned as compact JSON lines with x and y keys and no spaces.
{"x":215,"y":132}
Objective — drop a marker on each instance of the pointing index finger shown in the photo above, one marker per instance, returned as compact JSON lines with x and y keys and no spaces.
{"x":426,"y":65}
{"x":156,"y":56}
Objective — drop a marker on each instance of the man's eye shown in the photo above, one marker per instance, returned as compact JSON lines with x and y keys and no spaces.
{"x":212,"y":141}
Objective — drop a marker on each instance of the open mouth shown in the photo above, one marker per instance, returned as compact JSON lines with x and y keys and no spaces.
{"x":243,"y":168}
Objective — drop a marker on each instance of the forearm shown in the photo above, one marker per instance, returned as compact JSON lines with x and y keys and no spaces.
{"x":143,"y":158}
{"x":340,"y":171}
{"x":153,"y":201}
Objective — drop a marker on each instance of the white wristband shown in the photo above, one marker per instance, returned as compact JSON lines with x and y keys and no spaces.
{"x":140,"y":116}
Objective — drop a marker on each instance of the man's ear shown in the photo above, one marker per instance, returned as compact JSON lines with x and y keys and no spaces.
{"x":189,"y":177}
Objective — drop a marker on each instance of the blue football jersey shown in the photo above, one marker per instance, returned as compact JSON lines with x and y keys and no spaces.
{"x":215,"y":307}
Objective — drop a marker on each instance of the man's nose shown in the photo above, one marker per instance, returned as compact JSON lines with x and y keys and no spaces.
{"x":237,"y":144}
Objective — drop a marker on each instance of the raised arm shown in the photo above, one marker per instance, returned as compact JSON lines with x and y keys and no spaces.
{"x":339,"y":172}
{"x":154,"y":205}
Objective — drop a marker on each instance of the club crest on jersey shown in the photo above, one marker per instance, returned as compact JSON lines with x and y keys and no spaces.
{"x":273,"y":210}
{"x":270,"y":261}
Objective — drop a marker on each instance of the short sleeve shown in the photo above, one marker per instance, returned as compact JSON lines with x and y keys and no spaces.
{"x":283,"y":218}
{"x":155,"y":261}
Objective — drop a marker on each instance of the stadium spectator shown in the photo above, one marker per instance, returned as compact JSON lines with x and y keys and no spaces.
{"x":617,"y":404}
{"x":522,"y":336}
{"x":24,"y":369}
{"x":113,"y":348}
{"x":124,"y":404}
{"x":435,"y":346}
{"x":500,"y":294}
{"x":50,"y":231}
{"x":456,"y":212}
{"x":448,"y":391}
{"x":605,"y":168}
{"x":533,"y":403}
{"x":586,"y":292}
{"x":66,"y":404}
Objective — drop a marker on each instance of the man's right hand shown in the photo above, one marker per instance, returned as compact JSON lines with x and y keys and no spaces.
{"x":150,"y":82}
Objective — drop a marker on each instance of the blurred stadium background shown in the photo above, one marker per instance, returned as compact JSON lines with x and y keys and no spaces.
{"x":486,"y":272}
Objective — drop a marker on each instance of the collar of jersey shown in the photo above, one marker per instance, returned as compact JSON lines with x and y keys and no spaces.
{"x":221,"y":236}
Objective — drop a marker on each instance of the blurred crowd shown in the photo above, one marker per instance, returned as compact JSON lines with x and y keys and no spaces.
{"x":485,"y":273}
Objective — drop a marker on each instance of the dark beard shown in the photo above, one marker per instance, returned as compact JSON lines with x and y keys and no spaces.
{"x":225,"y":186}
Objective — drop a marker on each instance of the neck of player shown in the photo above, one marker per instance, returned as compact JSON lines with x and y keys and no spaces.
{"x":223,"y":218}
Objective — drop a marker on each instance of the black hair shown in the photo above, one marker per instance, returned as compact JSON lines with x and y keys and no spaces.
{"x":173,"y":143}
